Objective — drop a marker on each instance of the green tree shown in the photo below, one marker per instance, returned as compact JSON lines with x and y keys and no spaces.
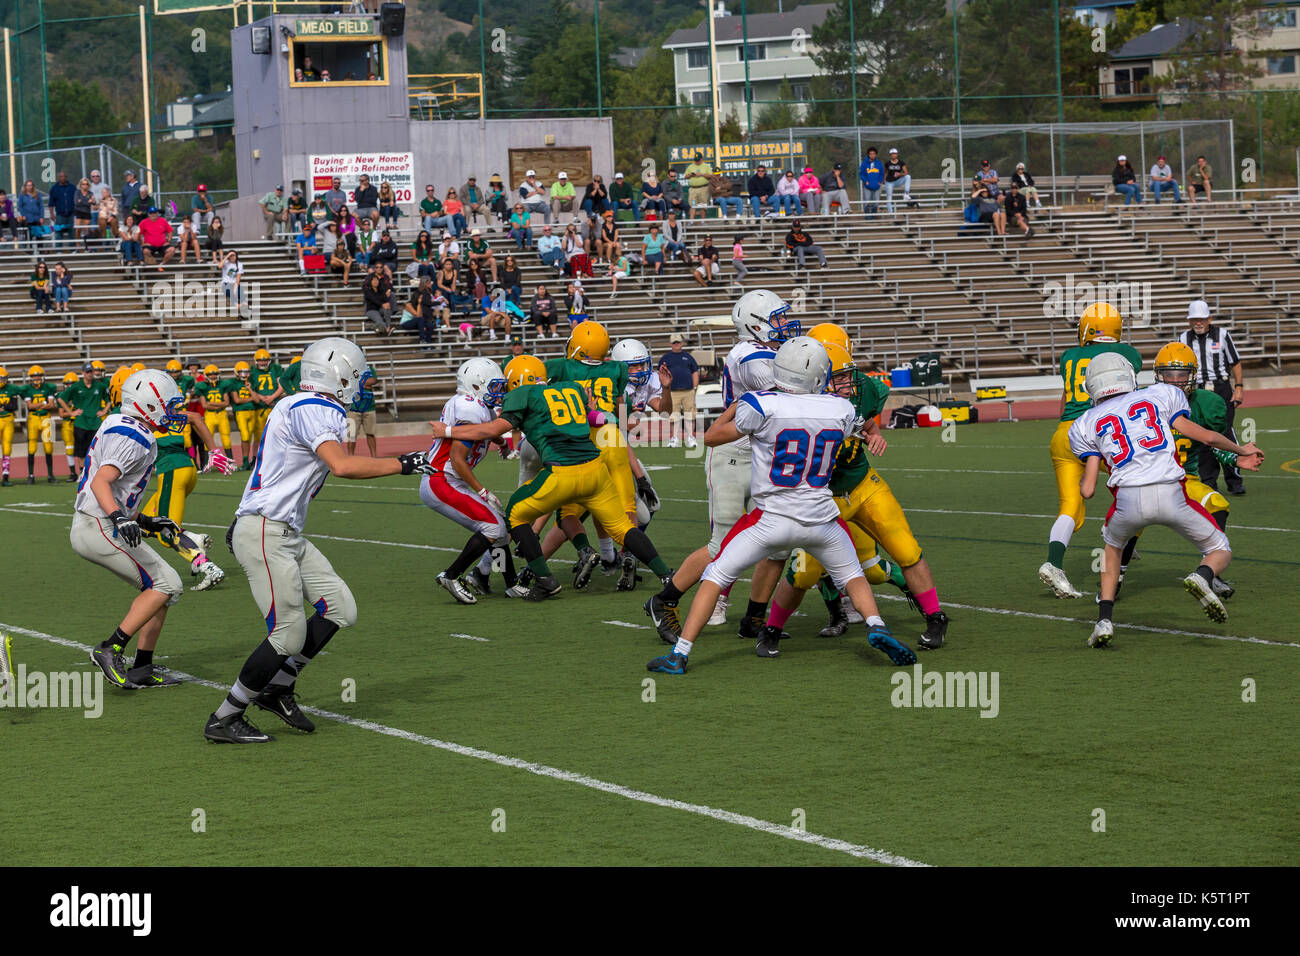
{"x":77,"y":109}
{"x":1214,"y":56}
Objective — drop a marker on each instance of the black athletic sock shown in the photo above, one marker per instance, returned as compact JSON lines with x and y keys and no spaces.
{"x":509,"y":573}
{"x":1206,"y":572}
{"x":670,"y":595}
{"x":1105,"y":609}
{"x":319,"y":631}
{"x":1127,"y":554}
{"x":49,"y":464}
{"x":142,"y":658}
{"x":119,"y":638}
{"x":263,"y":664}
{"x":755,"y":608}
{"x":1221,"y":519}
{"x":31,"y":466}
{"x":474,"y":549}
{"x":641,"y":547}
{"x":530,"y":549}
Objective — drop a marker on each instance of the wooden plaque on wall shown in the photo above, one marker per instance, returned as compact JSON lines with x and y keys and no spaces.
{"x":549,"y":160}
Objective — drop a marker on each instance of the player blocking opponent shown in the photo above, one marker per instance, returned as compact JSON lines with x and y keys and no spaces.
{"x":301,"y":447}
{"x":795,"y":432}
{"x":1133,"y":432}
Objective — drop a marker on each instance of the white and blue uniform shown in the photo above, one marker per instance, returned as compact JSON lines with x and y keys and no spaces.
{"x":284,"y":569}
{"x":129,"y":446}
{"x":638,"y":397}
{"x":794,"y":441}
{"x":1133,"y":434}
{"x":747,"y":368}
{"x":444,"y":491}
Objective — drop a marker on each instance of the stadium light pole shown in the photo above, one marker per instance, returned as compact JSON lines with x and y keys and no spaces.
{"x":144,"y":93}
{"x":9,"y":112}
{"x":482,"y":67}
{"x":599,"y":98}
{"x":749,"y":96}
{"x":716,"y":98}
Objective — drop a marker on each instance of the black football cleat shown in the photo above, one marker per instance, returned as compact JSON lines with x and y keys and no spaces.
{"x":112,"y":663}
{"x":544,"y":586}
{"x":149,"y":675}
{"x":233,"y":730}
{"x":768,"y":644}
{"x":751,"y":628}
{"x":627,"y":577}
{"x":588,"y":560}
{"x":283,"y":702}
{"x":478,"y":582}
{"x":936,"y":628}
{"x":664,"y":617}
{"x":838,"y":625}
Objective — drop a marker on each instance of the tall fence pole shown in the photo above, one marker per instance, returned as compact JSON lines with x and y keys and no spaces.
{"x":1232,"y":156}
{"x":144,"y":92}
{"x":13,"y":145}
{"x":599,"y":100}
{"x":716,"y":98}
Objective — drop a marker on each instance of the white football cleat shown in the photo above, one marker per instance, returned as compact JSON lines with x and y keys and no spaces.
{"x":1197,"y":588}
{"x":1055,"y":579}
{"x":1222,"y":588}
{"x":850,"y":612}
{"x":211,"y":575}
{"x":1101,"y":634}
{"x":204,"y":541}
{"x":456,"y":589}
{"x":719,"y":615}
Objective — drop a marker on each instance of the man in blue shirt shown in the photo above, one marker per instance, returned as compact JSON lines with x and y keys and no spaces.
{"x":361,"y":413}
{"x":63,"y":197}
{"x":871,"y":174}
{"x":130,"y":191}
{"x":686,"y":378}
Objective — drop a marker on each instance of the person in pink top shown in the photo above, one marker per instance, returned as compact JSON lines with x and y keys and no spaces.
{"x":810,"y":190}
{"x":155,"y":236}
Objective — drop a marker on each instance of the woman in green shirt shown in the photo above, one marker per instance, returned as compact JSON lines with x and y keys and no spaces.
{"x":422,"y":255}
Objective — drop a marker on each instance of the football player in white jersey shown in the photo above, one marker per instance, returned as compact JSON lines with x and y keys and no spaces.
{"x":303,"y":444}
{"x":647,"y":389}
{"x":1132,"y":431}
{"x":108,"y":528}
{"x":454,"y":492}
{"x":796,"y":431}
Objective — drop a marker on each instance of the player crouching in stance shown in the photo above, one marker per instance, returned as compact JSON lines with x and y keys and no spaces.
{"x":453,"y":491}
{"x":1132,"y":431}
{"x":107,"y":528}
{"x":795,"y":433}
{"x":557,"y":418}
{"x":301,"y":447}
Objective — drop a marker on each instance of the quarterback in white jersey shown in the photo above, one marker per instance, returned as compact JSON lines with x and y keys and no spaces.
{"x":301,"y":446}
{"x":453,"y":491}
{"x":795,"y":431}
{"x":1132,"y":431}
{"x":107,"y":528}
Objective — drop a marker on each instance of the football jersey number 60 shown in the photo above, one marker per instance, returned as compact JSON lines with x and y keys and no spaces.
{"x":566,"y":406}
{"x":792,"y":463}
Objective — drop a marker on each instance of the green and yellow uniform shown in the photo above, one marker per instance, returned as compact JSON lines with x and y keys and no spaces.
{"x":265,"y":382}
{"x":291,"y":379}
{"x":241,"y":397}
{"x":554,"y":418}
{"x":9,"y":395}
{"x":218,"y":419}
{"x":41,"y":409}
{"x":1068,"y":468}
{"x":1208,"y":410}
{"x":175,"y":479}
{"x":606,"y":382}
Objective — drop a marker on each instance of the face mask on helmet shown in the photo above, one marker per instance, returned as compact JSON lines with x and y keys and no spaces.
{"x":496,"y":392}
{"x":638,"y":373}
{"x":784,"y":327}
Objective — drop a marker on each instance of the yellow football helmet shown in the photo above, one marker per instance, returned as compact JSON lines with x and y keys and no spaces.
{"x":115,"y":384}
{"x":1176,"y":365}
{"x":37,"y":372}
{"x":137,"y":366}
{"x":588,"y":343}
{"x":1101,"y":320}
{"x":827,"y":333}
{"x":71,"y":377}
{"x":174,"y":367}
{"x":526,"y":370}
{"x":242,"y":370}
{"x":262,"y":359}
{"x":98,"y":366}
{"x":841,"y":380}
{"x":211,"y":371}
{"x":4,"y":375}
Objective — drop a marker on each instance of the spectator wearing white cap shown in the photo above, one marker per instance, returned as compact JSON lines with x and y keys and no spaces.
{"x":1025,"y":181}
{"x":623,"y":198}
{"x":1125,"y":180}
{"x":477,"y":250}
{"x":562,"y":194}
{"x":1162,"y":180}
{"x":532,"y":194}
{"x":896,"y":177}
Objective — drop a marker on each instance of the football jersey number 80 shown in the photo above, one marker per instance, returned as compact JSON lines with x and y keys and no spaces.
{"x":792,"y":463}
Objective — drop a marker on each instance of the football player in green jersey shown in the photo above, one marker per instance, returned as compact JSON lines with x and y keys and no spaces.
{"x":266,"y":385}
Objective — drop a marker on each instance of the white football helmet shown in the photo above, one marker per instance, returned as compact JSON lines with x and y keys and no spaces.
{"x":154,"y":398}
{"x":637,"y":358}
{"x":1109,"y":374}
{"x":801,"y":366}
{"x":333,"y":367}
{"x":763,"y":315}
{"x":483,"y":379}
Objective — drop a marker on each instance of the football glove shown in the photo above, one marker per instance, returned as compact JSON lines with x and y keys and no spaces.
{"x":158,"y":525}
{"x":486,"y":494}
{"x":220,"y":461}
{"x":128,"y":529}
{"x":414,"y":462}
{"x":647,"y":493}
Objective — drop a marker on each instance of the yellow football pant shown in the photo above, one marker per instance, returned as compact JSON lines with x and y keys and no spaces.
{"x":171,"y":488}
{"x":219,"y":422}
{"x":873,"y":508}
{"x":38,"y":427}
{"x":589,"y":485}
{"x":7,"y":435}
{"x":69,"y":437}
{"x":613,"y":452}
{"x":1069,"y":472}
{"x":246,"y":421}
{"x":807,"y":570}
{"x":263,"y":414}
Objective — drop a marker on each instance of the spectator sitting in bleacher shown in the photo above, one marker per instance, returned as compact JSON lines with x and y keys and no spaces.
{"x":834,"y":192}
{"x":61,"y":283}
{"x":347,"y":224}
{"x":620,"y":268}
{"x":40,"y":285}
{"x":479,"y":251}
{"x":335,"y":197}
{"x":377,"y":295}
{"x":449,"y":248}
{"x":31,"y":211}
{"x":296,"y":210}
{"x":532,"y":194}
{"x":621,"y":196}
{"x":418,"y":314}
{"x":495,"y":313}
{"x":673,"y":195}
{"x":1125,"y":180}
{"x":386,"y":252}
{"x":1162,"y":180}
{"x":726,"y":194}
{"x":318,"y":213}
{"x":675,"y":239}
{"x":810,"y":191}
{"x":130,"y":247}
{"x":83,"y":210}
{"x":8,"y":218}
{"x":1198,"y":179}
{"x":422,"y":256}
{"x":896,"y":177}
{"x":130,"y":189}
{"x":106,"y":213}
{"x":101,"y":191}
{"x":575,"y":304}
{"x":562,"y":194}
{"x":188,"y":241}
{"x":201,"y":210}
{"x":652,"y":249}
{"x":577,"y":252}
{"x":607,"y":242}
{"x":366,"y":198}
{"x":596,"y":199}
{"x":497,"y":200}
{"x":787,"y":194}
{"x":474,"y":281}
{"x":306,"y":243}
{"x":800,"y":243}
{"x":706,"y":262}
{"x":550,"y":249}
{"x":987,"y":207}
{"x":652,"y":197}
{"x":1016,"y":210}
{"x":520,"y":229}
{"x":542,"y":313}
{"x":989,"y":177}
{"x":447,"y":280}
{"x":431,"y":215}
{"x":738,"y":259}
{"x":366,"y":239}
{"x":336,"y":251}
{"x":216,"y":238}
{"x":388,"y":205}
{"x":1025,"y":181}
{"x":453,"y":207}
{"x":761,"y":189}
{"x":274,"y":209}
{"x":512,"y":280}
{"x":155,"y":235}
{"x":473,"y":200}
{"x":141,"y":203}
{"x":62,"y":202}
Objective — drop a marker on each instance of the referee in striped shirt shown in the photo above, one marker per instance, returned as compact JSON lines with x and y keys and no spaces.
{"x":1219,"y":370}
